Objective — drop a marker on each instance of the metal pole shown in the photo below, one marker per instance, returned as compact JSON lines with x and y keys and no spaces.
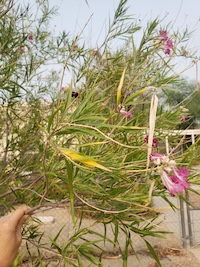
{"x":189,"y":222}
{"x":183,"y":230}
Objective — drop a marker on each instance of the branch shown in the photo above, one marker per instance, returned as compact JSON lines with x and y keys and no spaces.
{"x":51,"y":205}
{"x":10,"y":5}
{"x":20,"y":187}
{"x":33,"y":210}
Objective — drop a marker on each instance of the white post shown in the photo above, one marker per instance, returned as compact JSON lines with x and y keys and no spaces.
{"x":167,"y":145}
{"x":193,"y":139}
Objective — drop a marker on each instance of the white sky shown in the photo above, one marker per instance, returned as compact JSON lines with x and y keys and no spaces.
{"x":73,"y":14}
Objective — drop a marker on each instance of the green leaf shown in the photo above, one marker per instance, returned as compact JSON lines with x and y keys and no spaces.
{"x":153,"y":253}
{"x":70,"y":186}
{"x":82,"y":158}
{"x":129,"y":99}
{"x":119,"y":89}
{"x":51,"y":118}
{"x":83,"y":104}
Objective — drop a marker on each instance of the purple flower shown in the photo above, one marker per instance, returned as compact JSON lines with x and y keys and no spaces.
{"x":166,"y":49}
{"x":180,"y":176}
{"x":169,"y":43}
{"x":166,"y":44}
{"x":173,"y":178}
{"x":163,"y":35}
{"x":146,"y":139}
{"x":155,"y":141}
{"x":184,"y":118}
{"x":127,"y":114}
{"x":30,"y":37}
{"x":171,"y":186}
{"x":156,"y":156}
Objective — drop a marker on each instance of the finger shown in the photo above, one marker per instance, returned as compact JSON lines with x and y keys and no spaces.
{"x":18,"y":216}
{"x":22,"y":221}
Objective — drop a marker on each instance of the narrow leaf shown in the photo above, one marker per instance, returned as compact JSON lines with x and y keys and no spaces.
{"x":71,"y":189}
{"x":153,"y":253}
{"x":82,"y":158}
{"x":119,"y":89}
{"x":134,"y":95}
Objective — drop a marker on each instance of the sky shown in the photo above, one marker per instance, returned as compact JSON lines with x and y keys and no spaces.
{"x":181,"y":14}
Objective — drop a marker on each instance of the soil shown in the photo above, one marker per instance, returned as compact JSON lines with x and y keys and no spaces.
{"x":169,"y":258}
{"x":168,"y":250}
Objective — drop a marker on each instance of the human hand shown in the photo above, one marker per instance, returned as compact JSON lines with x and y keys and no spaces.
{"x":10,"y":235}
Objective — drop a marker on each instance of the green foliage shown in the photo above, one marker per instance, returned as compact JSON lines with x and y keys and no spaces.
{"x":84,"y":151}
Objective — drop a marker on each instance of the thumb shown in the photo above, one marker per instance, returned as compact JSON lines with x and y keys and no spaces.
{"x":18,"y":217}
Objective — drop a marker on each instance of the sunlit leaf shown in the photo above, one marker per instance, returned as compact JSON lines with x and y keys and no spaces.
{"x":119,"y":89}
{"x":135,"y":95}
{"x":82,"y":158}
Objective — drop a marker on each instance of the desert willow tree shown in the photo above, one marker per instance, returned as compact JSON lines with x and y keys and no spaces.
{"x":93,"y":147}
{"x":27,"y":47}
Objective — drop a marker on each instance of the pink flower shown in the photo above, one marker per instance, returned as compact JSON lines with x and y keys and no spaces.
{"x":173,"y":178}
{"x":146,"y":139}
{"x":184,"y":118}
{"x":155,"y":143}
{"x":166,"y":49}
{"x":171,"y":186}
{"x":169,"y":43}
{"x":30,"y":37}
{"x":165,"y":43}
{"x":163,"y":35}
{"x":156,"y":158}
{"x":180,"y":176}
{"x":127,"y":114}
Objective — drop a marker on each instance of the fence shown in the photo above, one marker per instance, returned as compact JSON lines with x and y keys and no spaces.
{"x":192,"y":133}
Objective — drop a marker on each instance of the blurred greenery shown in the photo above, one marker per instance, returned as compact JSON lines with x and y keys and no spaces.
{"x":186,"y":94}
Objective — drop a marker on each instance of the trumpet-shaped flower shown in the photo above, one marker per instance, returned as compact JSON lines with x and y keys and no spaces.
{"x":171,"y":186}
{"x":173,"y":178}
{"x":184,"y":118}
{"x":180,"y":176}
{"x":164,"y":42}
{"x":127,"y":114}
{"x":163,"y":35}
{"x":157,"y":158}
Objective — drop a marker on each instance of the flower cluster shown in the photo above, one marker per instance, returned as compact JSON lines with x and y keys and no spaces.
{"x":173,"y":178}
{"x":127,"y":114}
{"x":184,"y":118}
{"x":155,"y":141}
{"x":30,"y":37}
{"x":164,"y":42}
